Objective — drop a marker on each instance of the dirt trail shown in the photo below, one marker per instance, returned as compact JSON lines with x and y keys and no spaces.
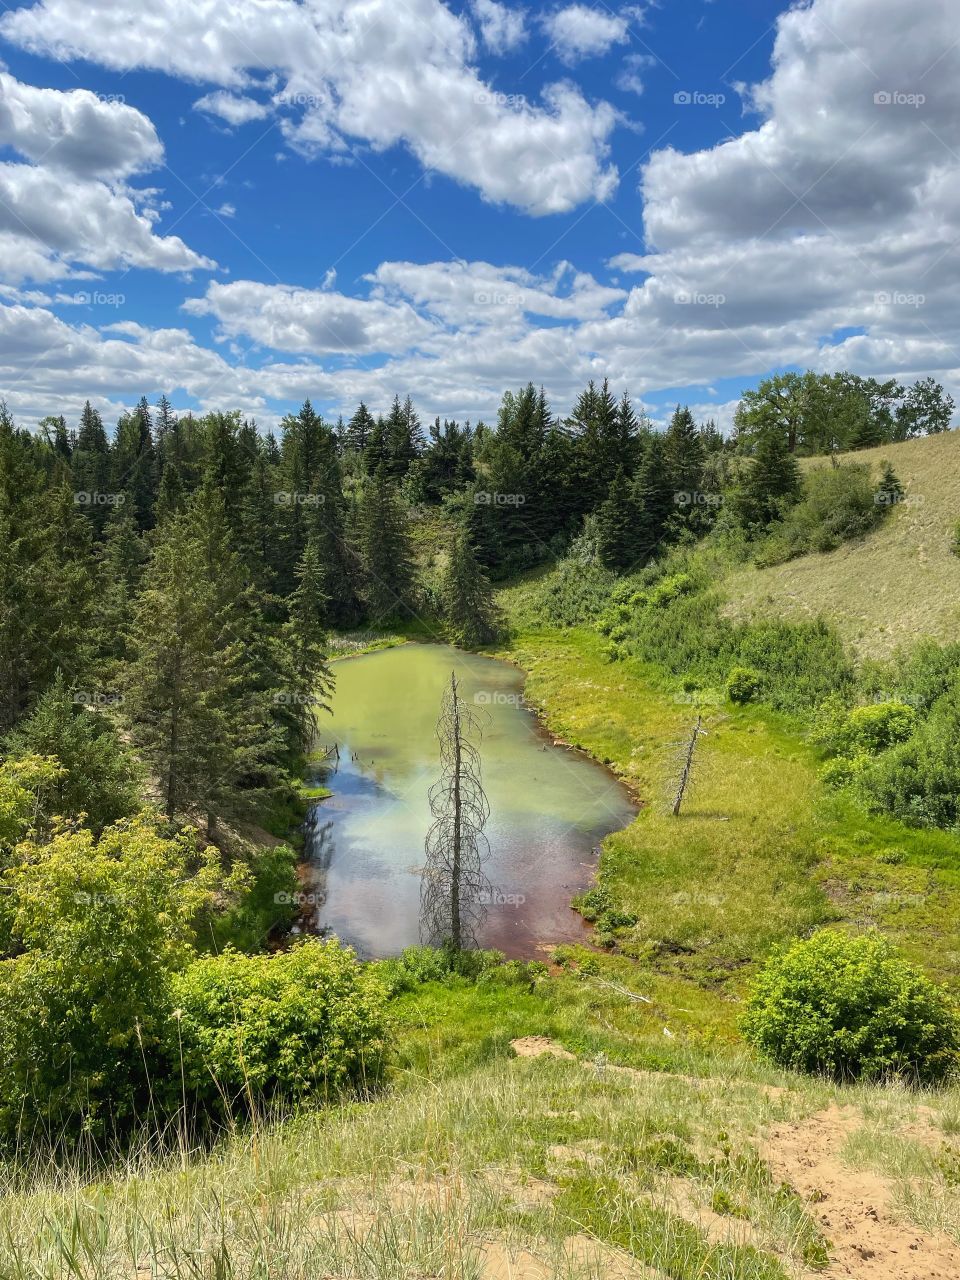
{"x":854,"y":1206}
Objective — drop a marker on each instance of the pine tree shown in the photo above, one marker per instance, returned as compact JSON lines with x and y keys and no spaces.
{"x":771,"y":485}
{"x":385,"y":550}
{"x":90,"y":465}
{"x":468,"y":605}
{"x":359,"y":428}
{"x":617,"y":526}
{"x":44,"y":591}
{"x":120,"y":560}
{"x":98,"y":776}
{"x":403,"y":439}
{"x":305,"y":641}
{"x":653,"y":495}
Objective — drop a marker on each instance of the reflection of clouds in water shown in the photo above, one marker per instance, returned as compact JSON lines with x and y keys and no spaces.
{"x":550,"y":806}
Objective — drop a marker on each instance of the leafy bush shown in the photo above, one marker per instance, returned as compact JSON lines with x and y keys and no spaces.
{"x":84,"y":1008}
{"x":864,"y":730}
{"x":851,"y":1007}
{"x":838,"y":504}
{"x":918,"y":781}
{"x":743,"y":684}
{"x":308,"y":1021}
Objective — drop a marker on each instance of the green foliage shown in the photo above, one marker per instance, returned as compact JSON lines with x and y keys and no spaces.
{"x":23,"y":783}
{"x":98,"y":775}
{"x":851,"y":1007}
{"x":838,"y":504}
{"x":96,"y":929}
{"x":743,"y":684}
{"x":267,"y":907}
{"x":864,"y":730}
{"x":918,"y":780}
{"x":467,"y":597}
{"x":308,"y":1022}
{"x":678,"y":625}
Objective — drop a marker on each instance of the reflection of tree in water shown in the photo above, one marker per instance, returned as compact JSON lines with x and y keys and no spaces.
{"x":454,"y":888}
{"x":319,"y":846}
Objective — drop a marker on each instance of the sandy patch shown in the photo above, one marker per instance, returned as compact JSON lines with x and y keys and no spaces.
{"x":854,"y":1206}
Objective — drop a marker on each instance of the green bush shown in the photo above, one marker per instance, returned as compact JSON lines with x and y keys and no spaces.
{"x":99,"y":926}
{"x":743,"y":684}
{"x":250,"y":1029}
{"x":838,"y":504}
{"x":851,"y":1006}
{"x":865,"y":730}
{"x":918,"y":780}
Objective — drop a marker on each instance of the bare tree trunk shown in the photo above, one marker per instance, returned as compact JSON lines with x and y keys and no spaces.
{"x":452,"y":888}
{"x":455,"y":870}
{"x":687,"y":768}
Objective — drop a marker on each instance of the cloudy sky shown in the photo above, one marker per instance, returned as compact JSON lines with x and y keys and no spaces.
{"x":246,"y":202}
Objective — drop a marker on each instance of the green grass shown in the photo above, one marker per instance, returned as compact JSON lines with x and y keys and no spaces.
{"x":762,"y":851}
{"x":900,"y":583}
{"x":568,"y":1161}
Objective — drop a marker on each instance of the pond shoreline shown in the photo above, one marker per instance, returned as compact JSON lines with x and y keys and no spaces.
{"x":521,"y":944}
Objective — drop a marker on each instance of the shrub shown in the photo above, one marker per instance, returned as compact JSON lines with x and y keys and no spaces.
{"x":839,"y":503}
{"x":84,"y":1008}
{"x":308,"y":1021}
{"x":865,"y":730}
{"x":918,"y":780}
{"x":743,"y":684}
{"x":851,"y":1007}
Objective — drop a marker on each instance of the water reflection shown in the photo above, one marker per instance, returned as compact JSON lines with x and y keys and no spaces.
{"x":364,"y":845}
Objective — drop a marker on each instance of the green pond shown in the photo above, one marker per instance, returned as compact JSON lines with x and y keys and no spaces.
{"x":549,"y":806}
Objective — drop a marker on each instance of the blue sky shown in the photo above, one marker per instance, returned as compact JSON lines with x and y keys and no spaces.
{"x":243,"y":202}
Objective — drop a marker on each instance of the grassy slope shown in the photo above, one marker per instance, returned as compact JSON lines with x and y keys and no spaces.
{"x":901,"y":583}
{"x":762,"y":851}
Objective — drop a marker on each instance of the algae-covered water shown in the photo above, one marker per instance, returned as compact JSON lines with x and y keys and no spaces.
{"x":549,"y":806}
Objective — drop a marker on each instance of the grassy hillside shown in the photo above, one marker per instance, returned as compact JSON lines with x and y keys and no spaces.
{"x":899,"y":584}
{"x":530,"y":1162}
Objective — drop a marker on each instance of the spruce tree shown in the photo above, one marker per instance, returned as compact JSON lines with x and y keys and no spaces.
{"x":467,"y":597}
{"x":358,"y":429}
{"x":385,"y":550}
{"x":617,"y":526}
{"x":653,"y":495}
{"x":771,"y":485}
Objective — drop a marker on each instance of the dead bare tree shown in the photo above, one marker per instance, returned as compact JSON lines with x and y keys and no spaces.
{"x":686,"y":764}
{"x":452,"y":889}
